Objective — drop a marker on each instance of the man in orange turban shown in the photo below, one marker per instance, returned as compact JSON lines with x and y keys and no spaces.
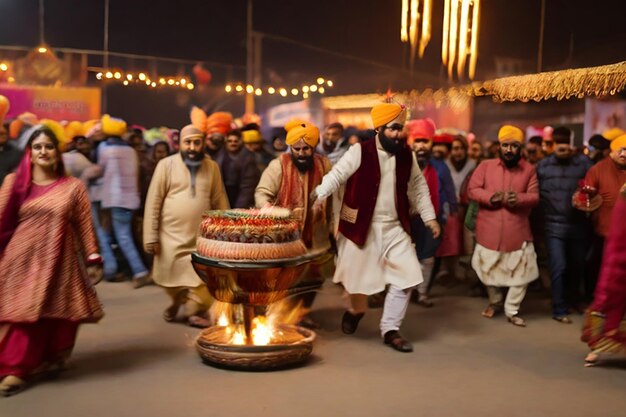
{"x":506,"y":190}
{"x":288,"y":181}
{"x":383,"y":188}
{"x":605,"y":179}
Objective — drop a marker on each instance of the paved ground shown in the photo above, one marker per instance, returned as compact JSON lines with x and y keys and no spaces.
{"x":134,"y":364}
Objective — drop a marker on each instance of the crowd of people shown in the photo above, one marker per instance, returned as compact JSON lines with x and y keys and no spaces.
{"x":402,"y":208}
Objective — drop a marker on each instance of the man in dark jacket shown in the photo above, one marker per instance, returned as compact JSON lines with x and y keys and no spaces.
{"x":566,"y":229}
{"x":239,"y":171}
{"x":9,"y":155}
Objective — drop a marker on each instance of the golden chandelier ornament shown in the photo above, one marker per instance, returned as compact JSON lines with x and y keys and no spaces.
{"x":461,"y":19}
{"x":460,"y":32}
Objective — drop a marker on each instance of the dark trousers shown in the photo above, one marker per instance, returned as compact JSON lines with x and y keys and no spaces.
{"x":566,"y":260}
{"x":594,"y":262}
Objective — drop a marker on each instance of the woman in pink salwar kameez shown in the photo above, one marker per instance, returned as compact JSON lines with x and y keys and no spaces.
{"x":605,"y":328}
{"x":47,"y":242}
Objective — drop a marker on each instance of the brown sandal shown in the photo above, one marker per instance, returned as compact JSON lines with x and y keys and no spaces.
{"x":517,"y":321}
{"x":491,"y":311}
{"x":169,"y":314}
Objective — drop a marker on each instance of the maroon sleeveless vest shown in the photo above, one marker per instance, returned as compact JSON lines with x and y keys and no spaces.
{"x":359,"y":199}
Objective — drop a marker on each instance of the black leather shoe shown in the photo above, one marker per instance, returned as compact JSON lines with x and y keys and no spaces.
{"x":399,"y":343}
{"x":350,"y":322}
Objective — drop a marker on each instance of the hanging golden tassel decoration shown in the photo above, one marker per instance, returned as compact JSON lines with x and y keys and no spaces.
{"x":461,"y":20}
{"x":410,"y":26}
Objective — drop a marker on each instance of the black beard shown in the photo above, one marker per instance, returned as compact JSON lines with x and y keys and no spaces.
{"x":390,"y":145}
{"x":329,"y":146}
{"x":303,"y":166}
{"x":511,"y":162}
{"x":192,"y":156}
{"x":458,"y":165}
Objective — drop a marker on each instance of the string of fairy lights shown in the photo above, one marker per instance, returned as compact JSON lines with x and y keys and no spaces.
{"x":319,"y":87}
{"x":128,"y":78}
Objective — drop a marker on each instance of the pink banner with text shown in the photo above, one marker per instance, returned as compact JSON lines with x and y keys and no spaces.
{"x":56,"y":103}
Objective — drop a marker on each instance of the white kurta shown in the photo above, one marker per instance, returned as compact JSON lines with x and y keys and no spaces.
{"x":388,"y":256}
{"x":173,"y":215}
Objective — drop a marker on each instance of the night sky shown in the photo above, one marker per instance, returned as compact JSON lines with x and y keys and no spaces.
{"x":215,"y":30}
{"x":578,"y":33}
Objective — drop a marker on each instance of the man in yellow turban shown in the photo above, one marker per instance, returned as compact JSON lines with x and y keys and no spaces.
{"x":384,"y":187}
{"x":254,"y":142}
{"x":117,"y":192}
{"x":288,"y":181}
{"x":506,"y":190}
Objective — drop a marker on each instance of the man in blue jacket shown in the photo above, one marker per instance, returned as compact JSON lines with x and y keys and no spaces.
{"x":566,"y":229}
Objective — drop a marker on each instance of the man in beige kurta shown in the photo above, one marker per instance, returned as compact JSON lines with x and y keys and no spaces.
{"x":184,"y":185}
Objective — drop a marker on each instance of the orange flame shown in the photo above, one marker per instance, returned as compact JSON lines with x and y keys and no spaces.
{"x":263,"y":329}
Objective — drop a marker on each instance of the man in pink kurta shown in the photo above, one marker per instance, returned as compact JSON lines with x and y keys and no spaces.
{"x":506,"y":190}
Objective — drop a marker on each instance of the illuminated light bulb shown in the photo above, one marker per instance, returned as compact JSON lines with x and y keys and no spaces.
{"x":258,"y":92}
{"x":313,"y":88}
{"x":170,"y":82}
{"x":305,"y":95}
{"x":283,"y":92}
{"x":147,"y":82}
{"x":271,"y":90}
{"x":129,"y":77}
{"x":109,"y":74}
{"x":153,"y":84}
{"x":320,"y":80}
{"x":228,"y":88}
{"x":239,"y":88}
{"x":294,"y":91}
{"x":183,"y":81}
{"x":305,"y":89}
{"x":189,"y":86}
{"x":249,"y":89}
{"x":12,"y":80}
{"x":99,"y":75}
{"x":4,"y":67}
{"x":117,"y":75}
{"x":329,"y":83}
{"x":321,"y":90}
{"x":42,"y":49}
{"x":162,"y":81}
{"x":142,"y":76}
{"x":125,"y":82}
{"x":177,"y":82}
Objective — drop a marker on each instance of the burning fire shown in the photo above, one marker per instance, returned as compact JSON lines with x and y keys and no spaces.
{"x":261,"y":332}
{"x":263,"y":329}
